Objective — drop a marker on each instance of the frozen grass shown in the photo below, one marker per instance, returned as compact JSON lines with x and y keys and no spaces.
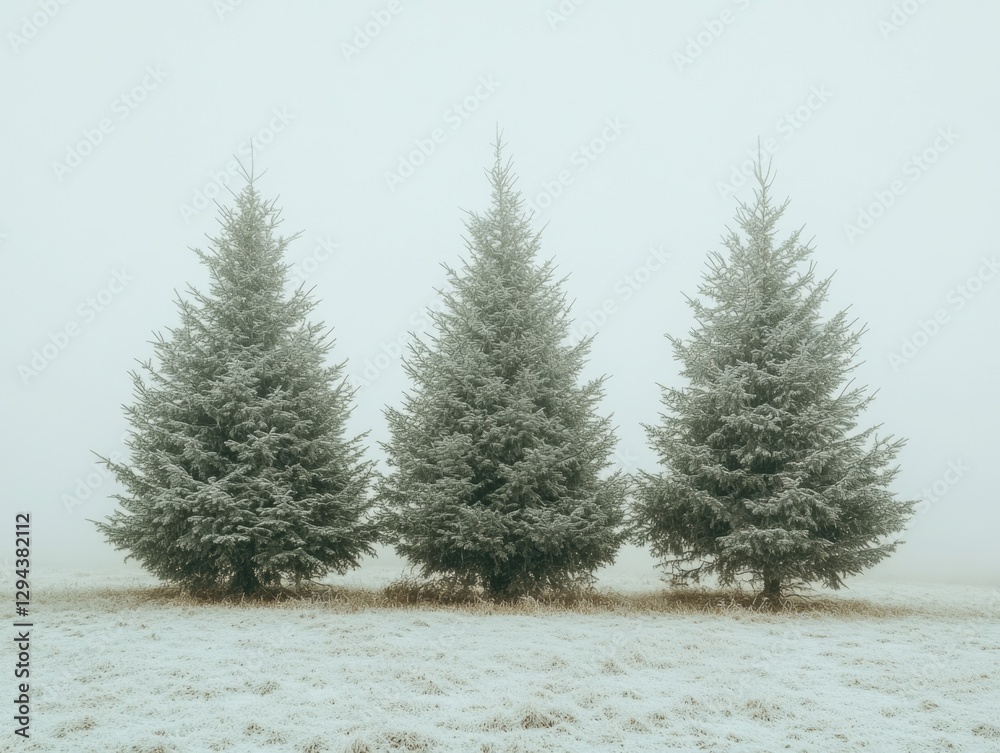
{"x":411,"y":594}
{"x":128,"y":666}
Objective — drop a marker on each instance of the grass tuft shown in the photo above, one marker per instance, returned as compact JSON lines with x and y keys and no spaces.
{"x":417,"y":594}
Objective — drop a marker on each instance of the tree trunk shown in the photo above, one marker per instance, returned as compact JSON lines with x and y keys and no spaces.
{"x":245,"y":581}
{"x":772,"y":588}
{"x":498,"y":583}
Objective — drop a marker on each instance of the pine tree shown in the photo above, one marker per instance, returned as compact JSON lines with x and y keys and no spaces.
{"x":240,"y":472}
{"x":764,"y":473}
{"x":498,"y":452}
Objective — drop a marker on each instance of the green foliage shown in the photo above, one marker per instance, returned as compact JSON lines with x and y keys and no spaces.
{"x":764,"y":474}
{"x":498,"y":452}
{"x":240,"y":472}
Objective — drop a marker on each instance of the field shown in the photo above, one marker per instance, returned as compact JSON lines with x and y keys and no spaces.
{"x":118,"y":665}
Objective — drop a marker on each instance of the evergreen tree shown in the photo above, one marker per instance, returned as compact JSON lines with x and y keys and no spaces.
{"x":765,"y":474}
{"x":498,"y":453}
{"x":240,"y":472}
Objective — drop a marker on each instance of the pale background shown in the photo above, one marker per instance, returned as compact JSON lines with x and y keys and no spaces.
{"x":845,"y":94}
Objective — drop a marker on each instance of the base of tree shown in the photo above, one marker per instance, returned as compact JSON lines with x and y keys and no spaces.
{"x":245,"y":583}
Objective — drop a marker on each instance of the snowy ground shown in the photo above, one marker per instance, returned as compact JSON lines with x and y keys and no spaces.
{"x":113,"y":670}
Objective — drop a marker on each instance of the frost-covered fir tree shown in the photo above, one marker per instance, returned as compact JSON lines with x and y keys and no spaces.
{"x":764,"y":473}
{"x":498,"y":452}
{"x":240,"y":473}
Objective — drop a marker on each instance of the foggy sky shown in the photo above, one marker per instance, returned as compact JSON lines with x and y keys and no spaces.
{"x":629,"y":124}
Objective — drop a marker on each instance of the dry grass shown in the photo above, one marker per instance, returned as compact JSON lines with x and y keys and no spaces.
{"x":415,"y":594}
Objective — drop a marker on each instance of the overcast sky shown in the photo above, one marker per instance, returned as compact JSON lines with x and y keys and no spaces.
{"x":629,"y":124}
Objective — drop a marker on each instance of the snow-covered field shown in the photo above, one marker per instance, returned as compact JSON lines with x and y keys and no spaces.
{"x":114,"y":670}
